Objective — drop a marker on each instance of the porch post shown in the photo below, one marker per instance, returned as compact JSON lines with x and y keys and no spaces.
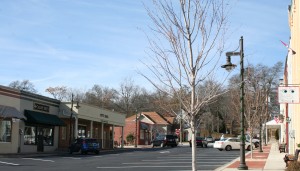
{"x":122,"y":138}
{"x":113,"y":136}
{"x":76,"y":127}
{"x":102,"y":132}
{"x":91,"y":129}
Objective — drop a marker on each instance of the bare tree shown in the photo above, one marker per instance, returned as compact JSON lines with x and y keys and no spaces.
{"x":100,"y":96}
{"x":58,"y":92}
{"x":128,"y":96}
{"x":188,"y":39}
{"x":24,"y":85}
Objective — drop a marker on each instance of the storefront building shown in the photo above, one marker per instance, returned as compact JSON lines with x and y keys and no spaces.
{"x":33,"y":123}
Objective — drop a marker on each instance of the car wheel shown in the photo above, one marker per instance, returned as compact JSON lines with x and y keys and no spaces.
{"x":249,"y":148}
{"x":220,"y":149}
{"x":70,"y":151}
{"x":97,"y":152}
{"x":81,"y":152}
{"x":228,"y":148}
{"x":205,"y":145}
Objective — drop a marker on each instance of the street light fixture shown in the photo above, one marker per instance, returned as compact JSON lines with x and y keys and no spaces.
{"x":71,"y":118}
{"x":229,"y":66}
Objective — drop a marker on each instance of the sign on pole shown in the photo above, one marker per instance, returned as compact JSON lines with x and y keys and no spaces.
{"x":288,"y":94}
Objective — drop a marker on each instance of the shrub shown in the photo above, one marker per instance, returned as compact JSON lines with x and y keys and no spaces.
{"x":293,"y":166}
{"x":277,"y":134}
{"x":130,"y":138}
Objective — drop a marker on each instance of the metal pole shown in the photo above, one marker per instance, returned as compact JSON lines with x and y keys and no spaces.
{"x":71,"y":123}
{"x":242,"y":165}
{"x":136,"y":129}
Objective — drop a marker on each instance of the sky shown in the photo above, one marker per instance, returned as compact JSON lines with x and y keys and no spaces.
{"x":80,"y":43}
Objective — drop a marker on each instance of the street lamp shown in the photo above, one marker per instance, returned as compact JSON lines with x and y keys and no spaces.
{"x":136,"y":138}
{"x":71,"y":117}
{"x":229,"y":66}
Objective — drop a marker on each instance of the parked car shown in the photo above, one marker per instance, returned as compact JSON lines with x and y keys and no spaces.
{"x":255,"y":140}
{"x":230,"y":144}
{"x":85,"y":145}
{"x":209,"y":139}
{"x":164,"y":140}
{"x":200,"y":141}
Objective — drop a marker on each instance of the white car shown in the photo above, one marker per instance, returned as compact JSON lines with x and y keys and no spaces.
{"x":230,"y":144}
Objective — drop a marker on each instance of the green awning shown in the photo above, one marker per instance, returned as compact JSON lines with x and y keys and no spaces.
{"x":42,"y":118}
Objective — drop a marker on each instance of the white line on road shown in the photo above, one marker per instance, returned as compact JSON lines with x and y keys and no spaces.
{"x":75,"y":158}
{"x":164,"y":162}
{"x":14,"y":164}
{"x":164,"y":152}
{"x":38,"y":159}
{"x":123,"y":167}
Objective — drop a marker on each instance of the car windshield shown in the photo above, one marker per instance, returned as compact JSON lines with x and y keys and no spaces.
{"x":90,"y":140}
{"x":170,"y":136}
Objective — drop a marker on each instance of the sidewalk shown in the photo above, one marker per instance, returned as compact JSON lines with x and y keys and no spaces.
{"x":268,"y":160}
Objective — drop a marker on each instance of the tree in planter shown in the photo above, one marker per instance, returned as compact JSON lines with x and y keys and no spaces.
{"x":130,"y":138}
{"x":277,"y":134}
{"x":185,"y":50}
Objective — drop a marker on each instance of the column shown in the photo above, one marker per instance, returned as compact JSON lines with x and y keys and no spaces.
{"x":113,"y":136}
{"x":91,"y":129}
{"x":122,"y":138}
{"x":102,"y":133}
{"x":76,"y":127}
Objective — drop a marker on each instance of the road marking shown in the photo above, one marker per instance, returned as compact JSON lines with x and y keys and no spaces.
{"x":166,"y":162}
{"x":75,"y":158}
{"x":97,"y":156}
{"x":14,"y":164}
{"x":164,"y":152}
{"x":39,"y":159}
{"x":123,"y":167}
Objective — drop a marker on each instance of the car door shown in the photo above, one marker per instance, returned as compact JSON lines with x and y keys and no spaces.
{"x":237,"y":143}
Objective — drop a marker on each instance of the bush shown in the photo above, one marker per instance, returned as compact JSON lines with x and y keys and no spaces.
{"x":130,"y":138}
{"x":277,"y":134}
{"x":293,"y":166}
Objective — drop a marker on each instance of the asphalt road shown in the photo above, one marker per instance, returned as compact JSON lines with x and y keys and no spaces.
{"x":158,"y":159}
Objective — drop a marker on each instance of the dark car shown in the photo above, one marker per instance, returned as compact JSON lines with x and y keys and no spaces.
{"x":200,"y":141}
{"x":164,"y":140}
{"x":85,"y":145}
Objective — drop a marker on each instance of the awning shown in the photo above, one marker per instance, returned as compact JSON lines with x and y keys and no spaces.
{"x":144,"y":126}
{"x":10,"y":112}
{"x":42,"y":118}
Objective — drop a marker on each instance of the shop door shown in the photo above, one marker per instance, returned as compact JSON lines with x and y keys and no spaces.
{"x":40,"y":140}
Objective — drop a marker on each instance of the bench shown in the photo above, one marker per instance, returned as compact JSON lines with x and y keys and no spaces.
{"x":282,"y":147}
{"x":288,"y":158}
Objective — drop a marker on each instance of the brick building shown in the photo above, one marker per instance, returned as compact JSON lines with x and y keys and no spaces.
{"x":147,"y":126}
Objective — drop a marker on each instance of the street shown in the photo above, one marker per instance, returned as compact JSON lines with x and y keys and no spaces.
{"x":164,"y":159}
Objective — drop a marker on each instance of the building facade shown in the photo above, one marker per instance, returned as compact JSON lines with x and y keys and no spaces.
{"x":291,"y":111}
{"x":33,"y":123}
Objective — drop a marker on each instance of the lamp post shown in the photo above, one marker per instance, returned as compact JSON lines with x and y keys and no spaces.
{"x":228,"y":66}
{"x":136,"y":129}
{"x":71,"y":118}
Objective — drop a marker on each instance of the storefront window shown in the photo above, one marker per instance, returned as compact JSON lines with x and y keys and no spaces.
{"x":5,"y":131}
{"x":32,"y":133}
{"x":47,"y":133}
{"x":81,"y":131}
{"x":29,"y":135}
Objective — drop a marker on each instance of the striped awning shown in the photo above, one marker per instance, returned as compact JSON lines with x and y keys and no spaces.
{"x":10,"y":112}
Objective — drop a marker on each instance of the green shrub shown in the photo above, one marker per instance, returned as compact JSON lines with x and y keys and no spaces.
{"x":130,"y":138}
{"x":277,"y":134}
{"x":293,"y":166}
